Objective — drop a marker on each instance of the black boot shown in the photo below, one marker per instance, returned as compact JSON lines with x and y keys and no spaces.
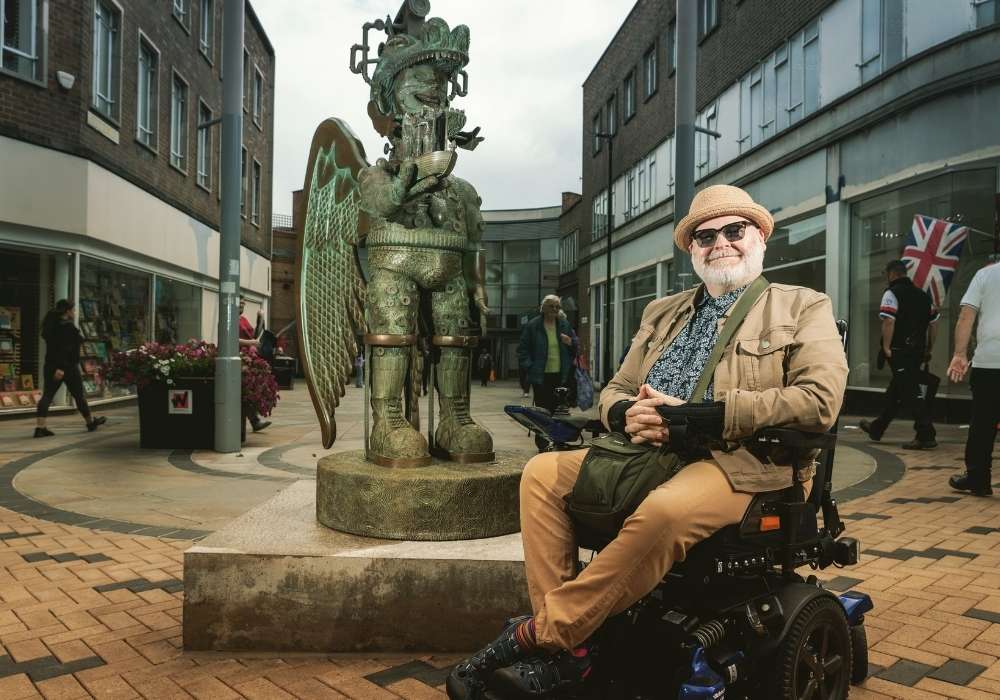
{"x":43,"y":432}
{"x":257,"y":424}
{"x":867,"y":428}
{"x":977,"y":487}
{"x":468,"y":678}
{"x":93,"y":424}
{"x":543,"y":674}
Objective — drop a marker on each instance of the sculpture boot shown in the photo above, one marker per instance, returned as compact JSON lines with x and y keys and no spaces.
{"x":458,"y":437}
{"x":393,"y":441}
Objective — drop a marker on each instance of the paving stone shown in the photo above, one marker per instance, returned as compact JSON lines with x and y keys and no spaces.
{"x":957,"y":672}
{"x":905,"y":672}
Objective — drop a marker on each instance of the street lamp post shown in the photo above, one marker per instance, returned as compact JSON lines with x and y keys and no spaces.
{"x":606,"y":372}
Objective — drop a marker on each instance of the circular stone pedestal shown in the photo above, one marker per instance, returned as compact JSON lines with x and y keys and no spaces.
{"x":442,"y":501}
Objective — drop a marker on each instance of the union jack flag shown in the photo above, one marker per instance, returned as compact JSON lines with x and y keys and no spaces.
{"x":932,"y":251}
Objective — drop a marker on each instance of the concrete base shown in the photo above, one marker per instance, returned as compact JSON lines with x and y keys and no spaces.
{"x":277,"y":580}
{"x":441,"y":501}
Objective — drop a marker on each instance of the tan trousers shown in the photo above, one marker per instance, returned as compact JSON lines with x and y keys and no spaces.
{"x":681,"y":512}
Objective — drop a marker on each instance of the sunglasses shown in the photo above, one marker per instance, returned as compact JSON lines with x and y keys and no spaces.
{"x":705,"y":238}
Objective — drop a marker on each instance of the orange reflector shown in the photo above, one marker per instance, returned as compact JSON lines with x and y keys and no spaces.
{"x":770,"y":522}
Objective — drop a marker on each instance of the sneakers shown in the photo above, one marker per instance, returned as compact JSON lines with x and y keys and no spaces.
{"x":43,"y":432}
{"x":866,"y":427}
{"x":976,"y":488}
{"x":468,"y":679}
{"x":525,"y":395}
{"x":543,"y":675}
{"x":919,"y":445}
{"x":94,"y":424}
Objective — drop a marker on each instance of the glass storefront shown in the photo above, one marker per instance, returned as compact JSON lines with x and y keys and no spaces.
{"x":638,"y":289}
{"x":113,"y":316}
{"x":178,"y":311}
{"x":879,"y":229}
{"x":796,"y":254}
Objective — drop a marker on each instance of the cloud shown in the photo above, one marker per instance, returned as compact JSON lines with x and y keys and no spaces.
{"x":528,"y":64}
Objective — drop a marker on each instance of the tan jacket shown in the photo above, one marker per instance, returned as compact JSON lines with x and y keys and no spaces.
{"x":784,"y":367}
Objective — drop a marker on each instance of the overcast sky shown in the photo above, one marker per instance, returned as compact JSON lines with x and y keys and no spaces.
{"x":528,"y":63}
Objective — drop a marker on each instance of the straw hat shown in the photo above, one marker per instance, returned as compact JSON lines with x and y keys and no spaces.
{"x":721,"y":200}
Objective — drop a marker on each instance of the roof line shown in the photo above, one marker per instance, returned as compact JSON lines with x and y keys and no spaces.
{"x":255,"y":20}
{"x":604,"y":53}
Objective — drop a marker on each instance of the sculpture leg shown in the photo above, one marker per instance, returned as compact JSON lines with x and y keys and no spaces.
{"x":457,"y":437}
{"x":392,"y":312}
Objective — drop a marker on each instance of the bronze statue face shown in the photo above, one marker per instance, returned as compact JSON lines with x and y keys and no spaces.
{"x":419,"y":87}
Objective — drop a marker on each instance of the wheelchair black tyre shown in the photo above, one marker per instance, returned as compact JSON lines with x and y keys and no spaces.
{"x":859,"y":654}
{"x":814,"y":660}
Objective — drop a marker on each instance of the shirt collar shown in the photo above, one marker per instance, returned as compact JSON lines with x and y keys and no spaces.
{"x":721,"y":302}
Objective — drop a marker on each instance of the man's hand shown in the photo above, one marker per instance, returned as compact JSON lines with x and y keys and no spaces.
{"x":958,"y":367}
{"x":642,"y":422}
{"x":58,"y":374}
{"x":405,"y":185}
{"x":887,"y":352}
{"x":566,"y":340}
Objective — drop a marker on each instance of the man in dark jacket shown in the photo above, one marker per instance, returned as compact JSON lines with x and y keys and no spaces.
{"x":546,"y":351}
{"x":909,"y":321}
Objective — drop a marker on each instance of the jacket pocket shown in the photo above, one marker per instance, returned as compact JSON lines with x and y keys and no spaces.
{"x":762,"y":359}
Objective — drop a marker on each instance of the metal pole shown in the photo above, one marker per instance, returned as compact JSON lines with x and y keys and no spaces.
{"x":684,"y":129}
{"x":608,"y":373}
{"x":228,"y":408}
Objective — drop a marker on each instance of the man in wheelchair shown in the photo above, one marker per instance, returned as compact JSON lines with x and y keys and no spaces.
{"x":784,"y":367}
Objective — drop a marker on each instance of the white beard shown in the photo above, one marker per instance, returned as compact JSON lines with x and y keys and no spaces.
{"x":732,"y":276}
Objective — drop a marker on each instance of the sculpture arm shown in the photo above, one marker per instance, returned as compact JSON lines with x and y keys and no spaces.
{"x":474,"y":260}
{"x":383,"y":191}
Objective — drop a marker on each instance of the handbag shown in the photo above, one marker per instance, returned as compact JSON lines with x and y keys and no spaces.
{"x":617,"y":475}
{"x":584,"y":388}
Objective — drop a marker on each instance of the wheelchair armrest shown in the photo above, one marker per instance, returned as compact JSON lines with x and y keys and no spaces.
{"x":795,"y":439}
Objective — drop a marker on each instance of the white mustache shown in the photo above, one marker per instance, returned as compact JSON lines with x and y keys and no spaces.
{"x":723,"y":255}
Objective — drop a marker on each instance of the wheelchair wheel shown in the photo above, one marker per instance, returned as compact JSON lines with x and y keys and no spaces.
{"x":814,"y":660}
{"x":859,"y":652}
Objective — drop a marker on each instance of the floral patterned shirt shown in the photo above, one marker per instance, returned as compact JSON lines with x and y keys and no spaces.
{"x":676,"y":372}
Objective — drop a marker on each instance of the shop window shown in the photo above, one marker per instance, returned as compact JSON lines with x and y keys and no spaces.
{"x":204,"y":154}
{"x":178,"y":123}
{"x":105,"y":82}
{"x":22,"y":39}
{"x":206,"y":25}
{"x":638,"y":289}
{"x":796,"y":254}
{"x":628,"y":95}
{"x":178,"y":311}
{"x":147,"y":93}
{"x":879,"y":229}
{"x":258,"y":97}
{"x":649,"y":70}
{"x":113,"y":316}
{"x":20,"y":329}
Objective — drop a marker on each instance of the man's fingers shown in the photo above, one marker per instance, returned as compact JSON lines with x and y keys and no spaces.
{"x":424,"y":185}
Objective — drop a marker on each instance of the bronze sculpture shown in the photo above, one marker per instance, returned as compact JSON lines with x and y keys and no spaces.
{"x":422,"y":228}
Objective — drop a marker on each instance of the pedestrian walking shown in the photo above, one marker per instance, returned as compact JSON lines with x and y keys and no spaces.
{"x":982,"y":302}
{"x":909,"y":324}
{"x":62,"y":366}
{"x":485,"y":367}
{"x":546,"y":351}
{"x":359,"y":370}
{"x":250,"y":338}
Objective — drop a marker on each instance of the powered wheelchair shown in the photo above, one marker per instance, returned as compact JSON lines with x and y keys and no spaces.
{"x":735,"y":619}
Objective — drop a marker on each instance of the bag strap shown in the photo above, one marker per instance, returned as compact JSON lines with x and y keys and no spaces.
{"x":740,"y":311}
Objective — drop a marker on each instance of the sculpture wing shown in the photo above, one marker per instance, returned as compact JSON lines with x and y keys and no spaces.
{"x":330,"y":284}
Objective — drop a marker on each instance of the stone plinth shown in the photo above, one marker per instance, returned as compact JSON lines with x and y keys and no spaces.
{"x":277,"y":580}
{"x":441,"y":501}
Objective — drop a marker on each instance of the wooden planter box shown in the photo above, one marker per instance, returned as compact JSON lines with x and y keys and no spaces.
{"x":178,"y":416}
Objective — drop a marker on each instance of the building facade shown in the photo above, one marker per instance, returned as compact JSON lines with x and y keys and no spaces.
{"x":522,"y":266}
{"x":848,"y":119}
{"x":109,"y":190}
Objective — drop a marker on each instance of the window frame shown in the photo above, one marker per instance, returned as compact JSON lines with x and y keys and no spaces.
{"x":39,"y":45}
{"x":595,"y":126}
{"x":704,"y":29}
{"x":244,"y":168}
{"x":672,"y":47}
{"x":651,"y":58}
{"x":611,"y":114}
{"x":154,"y":105}
{"x":629,"y":107}
{"x":114,"y":65}
{"x":258,"y":97}
{"x":207,"y":50}
{"x":203,"y":147}
{"x":180,"y":164}
{"x":246,"y":78}
{"x":180,"y":10}
{"x":256,"y":184}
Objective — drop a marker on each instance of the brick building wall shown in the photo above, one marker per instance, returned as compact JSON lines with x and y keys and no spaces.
{"x":747,"y":31}
{"x":57,"y":118}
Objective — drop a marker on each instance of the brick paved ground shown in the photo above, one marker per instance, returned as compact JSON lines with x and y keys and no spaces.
{"x":89,"y":613}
